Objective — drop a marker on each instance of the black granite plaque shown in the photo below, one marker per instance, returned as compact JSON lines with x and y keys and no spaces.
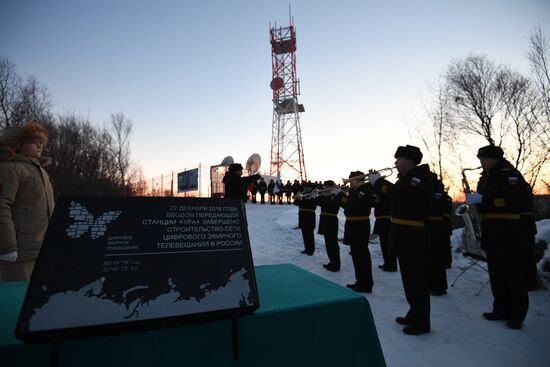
{"x":116,"y":263}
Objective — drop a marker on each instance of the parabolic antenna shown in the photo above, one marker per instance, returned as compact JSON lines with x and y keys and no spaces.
{"x":253,"y":163}
{"x":277,"y":83}
{"x":227,"y":161}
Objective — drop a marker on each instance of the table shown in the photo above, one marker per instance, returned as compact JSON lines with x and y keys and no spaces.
{"x":303,"y":320}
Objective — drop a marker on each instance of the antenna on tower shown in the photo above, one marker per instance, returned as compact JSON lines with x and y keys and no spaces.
{"x":287,"y":154}
{"x":289,"y":15}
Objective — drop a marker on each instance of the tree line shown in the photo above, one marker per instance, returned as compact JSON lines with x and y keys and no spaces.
{"x":478,"y":102}
{"x":85,"y":159}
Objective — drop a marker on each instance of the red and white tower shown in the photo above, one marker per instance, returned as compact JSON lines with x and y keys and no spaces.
{"x":287,"y":153}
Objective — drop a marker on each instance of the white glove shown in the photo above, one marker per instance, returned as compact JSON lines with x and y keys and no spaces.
{"x":474,"y":198}
{"x":335,"y":191}
{"x":373,"y":177}
{"x":9,"y":257}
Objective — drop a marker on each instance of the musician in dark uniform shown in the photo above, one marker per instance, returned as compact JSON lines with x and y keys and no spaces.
{"x":306,"y":218}
{"x":236,"y":186}
{"x":529,"y":231}
{"x":439,"y":238}
{"x":410,"y":205}
{"x":501,"y":196}
{"x":328,"y":225}
{"x":448,"y":227}
{"x":381,"y":188}
{"x":357,"y":206}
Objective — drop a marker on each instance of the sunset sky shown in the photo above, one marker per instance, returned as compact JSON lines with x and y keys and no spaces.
{"x":193,"y":76}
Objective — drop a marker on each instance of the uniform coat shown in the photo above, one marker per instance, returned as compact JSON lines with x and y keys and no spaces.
{"x":504,"y":194}
{"x":357,"y":207}
{"x":439,"y":239}
{"x":410,"y":207}
{"x":306,"y":222}
{"x":328,"y":226}
{"x":382,"y":224}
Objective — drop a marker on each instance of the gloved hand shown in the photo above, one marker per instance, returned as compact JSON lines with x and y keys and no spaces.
{"x":373,"y":176}
{"x":335,"y":191}
{"x":474,"y":198}
{"x":9,"y":257}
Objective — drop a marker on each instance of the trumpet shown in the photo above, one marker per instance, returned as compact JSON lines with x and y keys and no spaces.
{"x":364,"y":177}
{"x":320,"y":192}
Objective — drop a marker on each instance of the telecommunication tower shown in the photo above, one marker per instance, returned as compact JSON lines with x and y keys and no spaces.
{"x":287,"y":153}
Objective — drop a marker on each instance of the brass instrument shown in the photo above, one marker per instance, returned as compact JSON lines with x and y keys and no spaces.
{"x":320,"y":192}
{"x":472,"y":222}
{"x":364,"y":177}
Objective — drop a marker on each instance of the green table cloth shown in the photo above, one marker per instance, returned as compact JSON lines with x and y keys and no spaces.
{"x":303,"y":320}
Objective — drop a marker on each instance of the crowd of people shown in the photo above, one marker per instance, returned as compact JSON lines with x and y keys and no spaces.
{"x":413,"y":223}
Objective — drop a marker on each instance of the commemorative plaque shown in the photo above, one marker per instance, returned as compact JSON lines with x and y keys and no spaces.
{"x":117,"y":263}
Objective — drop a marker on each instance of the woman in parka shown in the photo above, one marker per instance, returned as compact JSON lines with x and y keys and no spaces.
{"x":26,"y":199}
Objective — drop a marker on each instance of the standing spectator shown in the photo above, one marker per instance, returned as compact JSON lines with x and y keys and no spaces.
{"x":26,"y":199}
{"x":253,"y":188}
{"x":502,"y":195}
{"x":328,"y":226}
{"x":410,"y":205}
{"x":262,"y":188}
{"x":357,"y":207}
{"x":270,"y":193}
{"x":306,"y":219}
{"x":288,"y":191}
{"x":235,"y":185}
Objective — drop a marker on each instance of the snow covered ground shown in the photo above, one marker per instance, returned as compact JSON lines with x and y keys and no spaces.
{"x":460,"y":336}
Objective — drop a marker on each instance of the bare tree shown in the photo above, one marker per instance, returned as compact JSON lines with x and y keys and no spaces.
{"x":9,"y":82}
{"x":438,"y":139}
{"x":538,"y":56}
{"x":21,"y":100}
{"x":121,"y":128}
{"x":473,"y":84}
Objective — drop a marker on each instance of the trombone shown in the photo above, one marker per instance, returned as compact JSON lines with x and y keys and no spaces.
{"x":364,"y":177}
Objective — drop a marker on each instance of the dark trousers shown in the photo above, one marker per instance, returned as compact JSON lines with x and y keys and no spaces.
{"x":309,"y":239}
{"x":508,"y":284}
{"x":530,"y":263}
{"x":360,"y":255}
{"x":415,"y":277}
{"x":438,"y":267}
{"x":390,"y":260}
{"x":333,"y":249}
{"x":262,"y":198}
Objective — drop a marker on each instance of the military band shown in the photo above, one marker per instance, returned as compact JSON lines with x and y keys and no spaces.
{"x":413,"y":224}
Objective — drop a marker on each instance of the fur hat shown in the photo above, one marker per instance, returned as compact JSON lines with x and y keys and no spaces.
{"x":353,"y":174}
{"x":329,"y":183}
{"x":235,"y":167}
{"x":490,"y":151}
{"x":410,"y":152}
{"x":12,"y":138}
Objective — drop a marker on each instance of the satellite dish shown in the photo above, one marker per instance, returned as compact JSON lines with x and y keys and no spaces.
{"x":277,"y":83}
{"x":227,"y":161}
{"x":253,"y":163}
